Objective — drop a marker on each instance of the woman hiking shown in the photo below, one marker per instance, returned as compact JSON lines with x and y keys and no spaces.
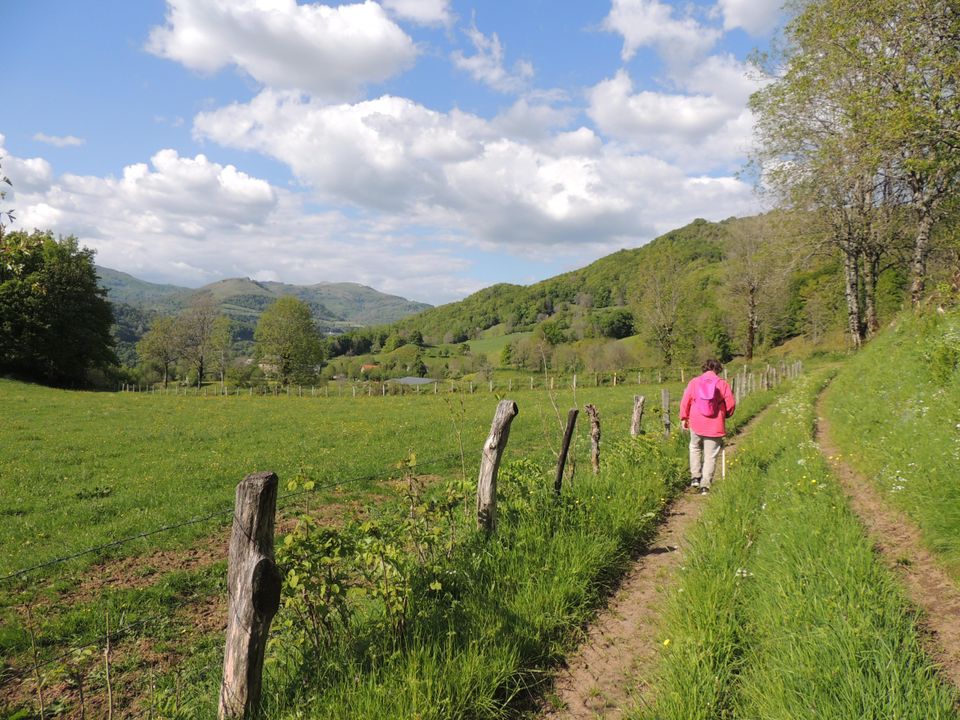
{"x":706,"y":404}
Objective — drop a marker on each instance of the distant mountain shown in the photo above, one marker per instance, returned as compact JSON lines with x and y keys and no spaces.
{"x":334,"y":305}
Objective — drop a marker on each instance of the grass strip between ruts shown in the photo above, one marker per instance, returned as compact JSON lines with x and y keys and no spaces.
{"x":782,"y":609}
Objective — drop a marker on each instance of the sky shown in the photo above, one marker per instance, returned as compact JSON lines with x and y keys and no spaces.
{"x":426,"y":148}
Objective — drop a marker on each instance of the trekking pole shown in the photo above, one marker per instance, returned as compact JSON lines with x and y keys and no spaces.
{"x":723,"y":463}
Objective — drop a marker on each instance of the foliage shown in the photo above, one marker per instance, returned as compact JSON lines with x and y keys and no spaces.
{"x":287,"y":339}
{"x":54,"y":319}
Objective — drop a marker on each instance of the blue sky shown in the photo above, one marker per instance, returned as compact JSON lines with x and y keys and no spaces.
{"x":424,"y":147}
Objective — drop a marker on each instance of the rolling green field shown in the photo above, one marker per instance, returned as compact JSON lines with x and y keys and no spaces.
{"x":82,"y":469}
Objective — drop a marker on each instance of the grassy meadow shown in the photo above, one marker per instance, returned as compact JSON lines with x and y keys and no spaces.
{"x":782,"y":610}
{"x":895,"y":413}
{"x":82,"y":469}
{"x":137,"y":461}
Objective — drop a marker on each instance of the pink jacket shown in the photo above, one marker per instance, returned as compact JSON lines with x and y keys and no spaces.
{"x":705,"y":386}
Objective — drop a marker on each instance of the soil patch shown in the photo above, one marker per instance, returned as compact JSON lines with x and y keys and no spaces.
{"x":897,"y":541}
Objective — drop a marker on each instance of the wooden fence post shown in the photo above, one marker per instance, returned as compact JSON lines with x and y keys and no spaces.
{"x":665,"y":410}
{"x":594,"y":416}
{"x":253,"y":583}
{"x":564,"y":449}
{"x":490,"y":464}
{"x":636,"y":422}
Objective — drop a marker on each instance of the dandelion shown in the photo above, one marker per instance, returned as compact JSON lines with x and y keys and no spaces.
{"x":666,"y":643}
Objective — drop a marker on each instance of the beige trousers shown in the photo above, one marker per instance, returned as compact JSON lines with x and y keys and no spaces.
{"x":703,"y":457}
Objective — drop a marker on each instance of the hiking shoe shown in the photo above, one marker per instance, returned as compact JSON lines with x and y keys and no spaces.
{"x":704,"y":490}
{"x":695,"y":483}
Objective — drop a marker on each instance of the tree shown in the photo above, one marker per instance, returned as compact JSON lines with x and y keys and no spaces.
{"x":196,"y":327}
{"x":617,"y":323}
{"x":287,"y":338}
{"x":54,"y":318}
{"x":161,"y":345}
{"x":221,"y":341}
{"x":865,"y":118}
{"x":756,"y":263}
{"x":663,"y":299}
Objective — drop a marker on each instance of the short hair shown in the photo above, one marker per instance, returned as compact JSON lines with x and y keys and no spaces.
{"x":712,"y":364}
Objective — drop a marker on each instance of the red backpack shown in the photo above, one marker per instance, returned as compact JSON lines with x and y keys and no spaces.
{"x":706,"y":396}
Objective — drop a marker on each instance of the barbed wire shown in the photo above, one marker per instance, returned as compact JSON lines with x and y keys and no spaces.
{"x":119,"y":633}
{"x":368,"y":477}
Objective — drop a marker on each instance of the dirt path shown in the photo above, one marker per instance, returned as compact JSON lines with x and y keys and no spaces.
{"x":611,"y":671}
{"x":897,"y":541}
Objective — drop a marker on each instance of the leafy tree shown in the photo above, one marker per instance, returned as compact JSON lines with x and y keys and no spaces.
{"x":55,"y":320}
{"x":287,"y":338}
{"x":865,"y":117}
{"x":221,"y":342}
{"x":196,"y":327}
{"x":551,"y":331}
{"x":161,"y":345}
{"x":616,"y":323}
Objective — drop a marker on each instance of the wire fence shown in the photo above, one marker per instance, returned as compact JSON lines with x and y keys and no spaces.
{"x":743,"y":382}
{"x":284,"y":501}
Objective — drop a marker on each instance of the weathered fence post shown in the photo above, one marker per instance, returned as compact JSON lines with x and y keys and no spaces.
{"x":594,"y":416}
{"x":490,"y":464}
{"x":636,"y":422}
{"x":564,"y":449}
{"x":665,"y":410}
{"x":253,"y":584}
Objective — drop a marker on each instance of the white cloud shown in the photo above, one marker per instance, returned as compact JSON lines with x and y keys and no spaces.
{"x":59,"y":140}
{"x":27,"y":174}
{"x":460,"y":172}
{"x":328,"y":51}
{"x":757,"y":17}
{"x":700,"y":132}
{"x":486,"y":66}
{"x":192,"y":221}
{"x":424,"y":12}
{"x":651,"y":23}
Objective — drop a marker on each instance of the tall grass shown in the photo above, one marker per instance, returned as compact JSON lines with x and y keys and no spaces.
{"x":782,"y":611}
{"x":895,"y":414}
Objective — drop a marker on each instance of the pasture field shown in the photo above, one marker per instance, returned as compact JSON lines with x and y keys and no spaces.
{"x":782,"y":609}
{"x":153,"y":438}
{"x":79,"y":469}
{"x":895,"y":413}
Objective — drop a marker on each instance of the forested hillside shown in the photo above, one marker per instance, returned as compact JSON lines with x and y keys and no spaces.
{"x":734,"y":288}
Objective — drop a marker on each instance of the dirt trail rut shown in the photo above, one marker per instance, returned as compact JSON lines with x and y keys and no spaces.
{"x":611,"y":671}
{"x":897,"y":541}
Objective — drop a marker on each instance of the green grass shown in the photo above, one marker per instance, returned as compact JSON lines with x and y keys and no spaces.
{"x":532,"y":629}
{"x":82,"y":469}
{"x":895,"y":414}
{"x":492,"y":346}
{"x":782,"y":609}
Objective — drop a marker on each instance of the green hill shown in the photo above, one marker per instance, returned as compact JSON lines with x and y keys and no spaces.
{"x":678,"y":295}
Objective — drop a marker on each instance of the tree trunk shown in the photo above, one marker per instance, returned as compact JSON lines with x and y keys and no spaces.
{"x":921,"y":246}
{"x":851,"y":275}
{"x":871,"y":273}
